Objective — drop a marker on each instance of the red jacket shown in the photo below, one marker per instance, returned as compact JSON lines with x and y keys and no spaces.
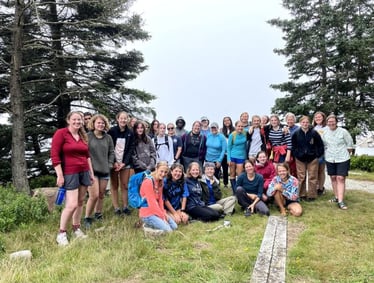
{"x":71,"y":154}
{"x":267,"y":171}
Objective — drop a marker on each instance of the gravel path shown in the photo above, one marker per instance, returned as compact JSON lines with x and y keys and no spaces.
{"x":366,"y":186}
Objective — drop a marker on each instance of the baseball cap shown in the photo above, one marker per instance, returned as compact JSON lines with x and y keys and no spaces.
{"x":204,"y":118}
{"x":214,"y":125}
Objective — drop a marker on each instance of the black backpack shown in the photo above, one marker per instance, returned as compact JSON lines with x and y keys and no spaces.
{"x":157,"y":145}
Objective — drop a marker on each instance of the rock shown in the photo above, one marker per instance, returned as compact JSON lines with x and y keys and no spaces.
{"x":49,"y":193}
{"x":24,"y":254}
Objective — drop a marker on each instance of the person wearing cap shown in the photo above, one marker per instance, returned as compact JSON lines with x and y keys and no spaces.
{"x":212,"y":194}
{"x":204,"y":125}
{"x":180,"y":124}
{"x":216,"y":147}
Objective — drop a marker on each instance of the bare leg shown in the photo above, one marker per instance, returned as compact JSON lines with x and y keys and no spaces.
{"x":279,"y":200}
{"x":100,"y":202}
{"x":124,"y":178}
{"x":78,"y":212}
{"x":93,"y":196}
{"x":114,"y":176}
{"x":71,"y":203}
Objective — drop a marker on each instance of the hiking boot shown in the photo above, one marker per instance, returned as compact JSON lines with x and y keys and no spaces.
{"x":79,"y":234}
{"x":98,"y":216}
{"x":62,"y":239}
{"x":247,"y":212}
{"x":117,"y":211}
{"x":321,"y":192}
{"x":126,"y":211}
{"x":87,"y":222}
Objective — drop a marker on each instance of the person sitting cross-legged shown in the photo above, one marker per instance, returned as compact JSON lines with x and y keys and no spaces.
{"x":284,"y":189}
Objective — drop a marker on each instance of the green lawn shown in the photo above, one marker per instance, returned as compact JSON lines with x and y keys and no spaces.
{"x":325,"y":245}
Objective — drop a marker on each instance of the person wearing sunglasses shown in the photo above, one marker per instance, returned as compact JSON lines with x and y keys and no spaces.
{"x":177,"y":142}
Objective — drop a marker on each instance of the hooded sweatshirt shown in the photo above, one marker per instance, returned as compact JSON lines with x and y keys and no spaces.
{"x":180,"y":131}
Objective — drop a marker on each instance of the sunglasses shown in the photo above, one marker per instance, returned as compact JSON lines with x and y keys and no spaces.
{"x":169,"y":129}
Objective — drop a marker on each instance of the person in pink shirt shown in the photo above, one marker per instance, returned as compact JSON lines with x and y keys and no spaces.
{"x":265,"y":168}
{"x":154,"y":215}
{"x":71,"y":160}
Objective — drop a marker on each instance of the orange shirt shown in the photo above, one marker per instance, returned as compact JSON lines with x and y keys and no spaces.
{"x":153,"y":195}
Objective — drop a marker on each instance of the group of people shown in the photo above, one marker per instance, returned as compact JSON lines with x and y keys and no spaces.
{"x":263,"y":160}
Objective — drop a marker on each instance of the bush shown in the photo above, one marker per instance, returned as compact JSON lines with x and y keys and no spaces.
{"x":363,"y":162}
{"x":43,"y":181}
{"x":18,"y":208}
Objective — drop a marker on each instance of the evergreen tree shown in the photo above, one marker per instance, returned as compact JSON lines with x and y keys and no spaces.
{"x":330,"y":51}
{"x":72,"y":51}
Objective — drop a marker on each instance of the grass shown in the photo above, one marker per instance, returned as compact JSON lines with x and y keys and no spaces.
{"x":361,"y":175}
{"x":328,"y":245}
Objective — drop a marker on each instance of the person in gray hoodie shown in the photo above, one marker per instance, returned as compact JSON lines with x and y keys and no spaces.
{"x":144,"y":155}
{"x":180,"y":124}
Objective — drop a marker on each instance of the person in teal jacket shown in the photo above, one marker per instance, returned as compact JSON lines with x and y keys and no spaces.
{"x":236,"y":152}
{"x":216,"y":147}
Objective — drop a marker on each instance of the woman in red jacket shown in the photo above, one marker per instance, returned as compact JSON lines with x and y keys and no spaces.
{"x":71,"y":160}
{"x":265,"y":168}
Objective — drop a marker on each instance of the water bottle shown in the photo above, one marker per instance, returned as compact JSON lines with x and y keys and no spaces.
{"x":60,"y":196}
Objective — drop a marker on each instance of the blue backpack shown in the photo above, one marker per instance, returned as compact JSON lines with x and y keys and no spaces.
{"x":136,"y":180}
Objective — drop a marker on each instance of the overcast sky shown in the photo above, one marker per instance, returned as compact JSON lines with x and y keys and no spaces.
{"x":210,"y":57}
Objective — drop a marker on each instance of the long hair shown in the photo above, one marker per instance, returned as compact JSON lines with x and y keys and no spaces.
{"x":227,"y":130}
{"x":169,"y":178}
{"x":143,"y":136}
{"x":81,"y":132}
{"x":189,"y":169}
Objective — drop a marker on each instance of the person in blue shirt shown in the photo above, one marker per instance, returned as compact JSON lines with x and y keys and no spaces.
{"x":196,"y":207}
{"x":216,"y":147}
{"x":250,"y":186}
{"x":236,"y":152}
{"x":175,"y":194}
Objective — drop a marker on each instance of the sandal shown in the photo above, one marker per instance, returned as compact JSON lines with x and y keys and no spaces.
{"x":334,"y":199}
{"x":342,"y":205}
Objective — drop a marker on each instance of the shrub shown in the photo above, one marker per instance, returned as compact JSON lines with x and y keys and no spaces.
{"x":18,"y":208}
{"x":43,"y":181}
{"x":363,"y":162}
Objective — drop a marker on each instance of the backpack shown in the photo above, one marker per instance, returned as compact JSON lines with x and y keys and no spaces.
{"x":157,"y":146}
{"x":136,"y":180}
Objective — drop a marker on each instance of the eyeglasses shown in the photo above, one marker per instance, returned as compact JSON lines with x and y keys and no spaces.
{"x":169,"y":129}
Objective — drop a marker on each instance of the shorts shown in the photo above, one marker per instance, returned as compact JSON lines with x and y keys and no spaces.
{"x":101,"y":176}
{"x":73,"y":181}
{"x":338,"y":169}
{"x":237,"y":160}
{"x":288,"y":202}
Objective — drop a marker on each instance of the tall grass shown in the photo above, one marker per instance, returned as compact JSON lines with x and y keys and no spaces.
{"x":332,"y":246}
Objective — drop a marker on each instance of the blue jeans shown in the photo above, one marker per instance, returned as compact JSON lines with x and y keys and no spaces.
{"x":156,"y":222}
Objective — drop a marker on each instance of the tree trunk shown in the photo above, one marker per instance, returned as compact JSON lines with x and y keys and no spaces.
{"x":19,"y":172}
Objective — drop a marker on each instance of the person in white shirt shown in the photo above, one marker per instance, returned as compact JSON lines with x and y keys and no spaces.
{"x":163,"y":145}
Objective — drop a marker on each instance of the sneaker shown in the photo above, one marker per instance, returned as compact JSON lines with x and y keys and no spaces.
{"x":79,"y":234}
{"x":98,"y":216}
{"x":117,"y":211}
{"x":62,"y":239}
{"x":247,"y":212}
{"x":126,"y":211}
{"x":87,"y":222}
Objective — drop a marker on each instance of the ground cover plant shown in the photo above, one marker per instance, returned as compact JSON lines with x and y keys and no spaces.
{"x":325,"y":245}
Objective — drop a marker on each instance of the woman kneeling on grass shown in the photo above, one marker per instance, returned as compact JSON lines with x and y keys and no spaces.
{"x":155,"y":216}
{"x":176,"y":193}
{"x":284,"y":189}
